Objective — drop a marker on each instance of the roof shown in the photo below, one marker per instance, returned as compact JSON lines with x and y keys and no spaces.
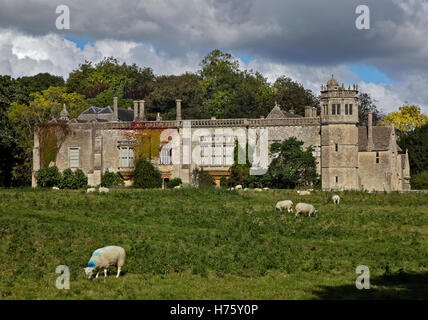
{"x":277,"y":113}
{"x":123,"y":114}
{"x":381,"y":138}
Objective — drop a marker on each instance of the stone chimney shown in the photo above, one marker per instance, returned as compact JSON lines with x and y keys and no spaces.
{"x":135,"y":110}
{"x":314,"y":112}
{"x":178,"y":102}
{"x":370,"y":131}
{"x":115,"y":112}
{"x":142,"y":116}
{"x":308,"y":112}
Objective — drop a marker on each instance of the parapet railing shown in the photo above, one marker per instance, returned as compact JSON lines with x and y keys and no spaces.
{"x":208,"y":123}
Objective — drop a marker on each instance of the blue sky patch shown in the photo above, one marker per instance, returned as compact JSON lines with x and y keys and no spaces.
{"x":80,"y":42}
{"x":368,"y":73}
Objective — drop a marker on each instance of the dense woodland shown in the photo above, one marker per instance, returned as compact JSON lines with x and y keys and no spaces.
{"x":219,"y":88}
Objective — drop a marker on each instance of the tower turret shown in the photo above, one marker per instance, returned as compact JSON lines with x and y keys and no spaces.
{"x":339,"y":136}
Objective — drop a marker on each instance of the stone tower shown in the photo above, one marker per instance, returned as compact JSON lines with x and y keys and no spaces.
{"x":339,"y":136}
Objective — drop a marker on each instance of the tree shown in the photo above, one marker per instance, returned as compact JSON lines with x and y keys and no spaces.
{"x":292,"y":95}
{"x":200,"y":178}
{"x":406,"y":119}
{"x":366,"y":104}
{"x":416,"y":142}
{"x":44,"y":106}
{"x":146,"y":175}
{"x":291,"y":165}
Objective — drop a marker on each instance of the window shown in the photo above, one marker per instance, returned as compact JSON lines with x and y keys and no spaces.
{"x":338,"y":109}
{"x":336,"y":147}
{"x":336,"y":179}
{"x":333,"y":109}
{"x":346,"y":109}
{"x":126,"y":157}
{"x":166,"y":155}
{"x":377,"y":157}
{"x":217,"y":151}
{"x":350,"y":109}
{"x":74,"y":157}
{"x":326,"y":109}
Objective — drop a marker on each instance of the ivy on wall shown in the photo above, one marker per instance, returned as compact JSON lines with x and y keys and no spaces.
{"x":147,"y":143}
{"x":51,"y":137}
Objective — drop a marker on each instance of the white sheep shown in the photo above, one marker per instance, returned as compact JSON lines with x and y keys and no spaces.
{"x":335,"y":199}
{"x":257,"y":190}
{"x":246,"y":189}
{"x":266,"y":189}
{"x":177,"y":187}
{"x":105,"y":257}
{"x":103,"y":190}
{"x":305,"y":208}
{"x":55,"y":188}
{"x":303,"y":193}
{"x":284,"y":204}
{"x":90,"y":190}
{"x":238,"y":187}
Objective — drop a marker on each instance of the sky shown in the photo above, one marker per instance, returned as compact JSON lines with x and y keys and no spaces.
{"x":303,"y":39}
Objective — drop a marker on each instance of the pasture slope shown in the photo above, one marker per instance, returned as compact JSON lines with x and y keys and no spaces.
{"x":213,"y":244}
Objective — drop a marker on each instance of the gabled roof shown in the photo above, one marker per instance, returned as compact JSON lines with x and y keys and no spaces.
{"x":123,"y":114}
{"x":381,"y":138}
{"x":277,"y":113}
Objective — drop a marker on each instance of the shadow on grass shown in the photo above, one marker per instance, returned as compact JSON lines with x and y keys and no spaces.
{"x":399,"y":285}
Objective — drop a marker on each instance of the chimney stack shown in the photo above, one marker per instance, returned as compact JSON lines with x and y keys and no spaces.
{"x":115,"y":112}
{"x":314,"y":112}
{"x":370,"y":131}
{"x":142,"y":117}
{"x":178,"y":101}
{"x":308,"y":112}
{"x":135,"y":110}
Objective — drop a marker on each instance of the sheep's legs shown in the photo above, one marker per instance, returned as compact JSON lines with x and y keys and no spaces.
{"x":97,"y":275}
{"x":118,"y":272}
{"x":105,"y":273}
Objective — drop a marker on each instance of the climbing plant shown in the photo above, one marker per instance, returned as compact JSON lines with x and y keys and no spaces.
{"x":51,"y":137}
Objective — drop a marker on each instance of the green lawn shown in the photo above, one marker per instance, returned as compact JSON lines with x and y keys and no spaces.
{"x":213,"y":244}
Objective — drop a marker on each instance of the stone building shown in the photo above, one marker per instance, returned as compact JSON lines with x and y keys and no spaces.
{"x":349,"y":157}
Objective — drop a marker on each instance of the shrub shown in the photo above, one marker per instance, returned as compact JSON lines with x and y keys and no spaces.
{"x":73,"y":180}
{"x":224,"y":183}
{"x":420,"y":181}
{"x":202,"y":179}
{"x":109,"y":179}
{"x":146,"y":175}
{"x":48,"y":177}
{"x":174,"y":182}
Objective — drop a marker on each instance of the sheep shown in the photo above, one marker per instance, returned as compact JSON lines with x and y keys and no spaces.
{"x":335,"y":199}
{"x":103,"y":190}
{"x":266,"y":189}
{"x":177,"y":187}
{"x":284,"y":204}
{"x":303,"y":193}
{"x":238,"y":187}
{"x":305,"y":208}
{"x":90,"y":190}
{"x":257,"y":190}
{"x":246,"y":189}
{"x":105,"y":257}
{"x":55,"y":188}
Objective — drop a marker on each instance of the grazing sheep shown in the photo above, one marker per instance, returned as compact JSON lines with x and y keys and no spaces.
{"x":55,"y":188}
{"x":246,"y":189}
{"x":230,"y":189}
{"x":284,"y":204}
{"x":335,"y":199}
{"x":303,"y":193}
{"x":90,"y":190}
{"x":238,"y":187}
{"x":257,"y":190}
{"x":177,"y":187}
{"x":103,"y":190}
{"x":105,"y":257}
{"x":305,"y":208}
{"x":266,"y":189}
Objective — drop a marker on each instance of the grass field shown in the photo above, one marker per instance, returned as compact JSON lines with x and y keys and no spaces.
{"x":213,"y":244}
